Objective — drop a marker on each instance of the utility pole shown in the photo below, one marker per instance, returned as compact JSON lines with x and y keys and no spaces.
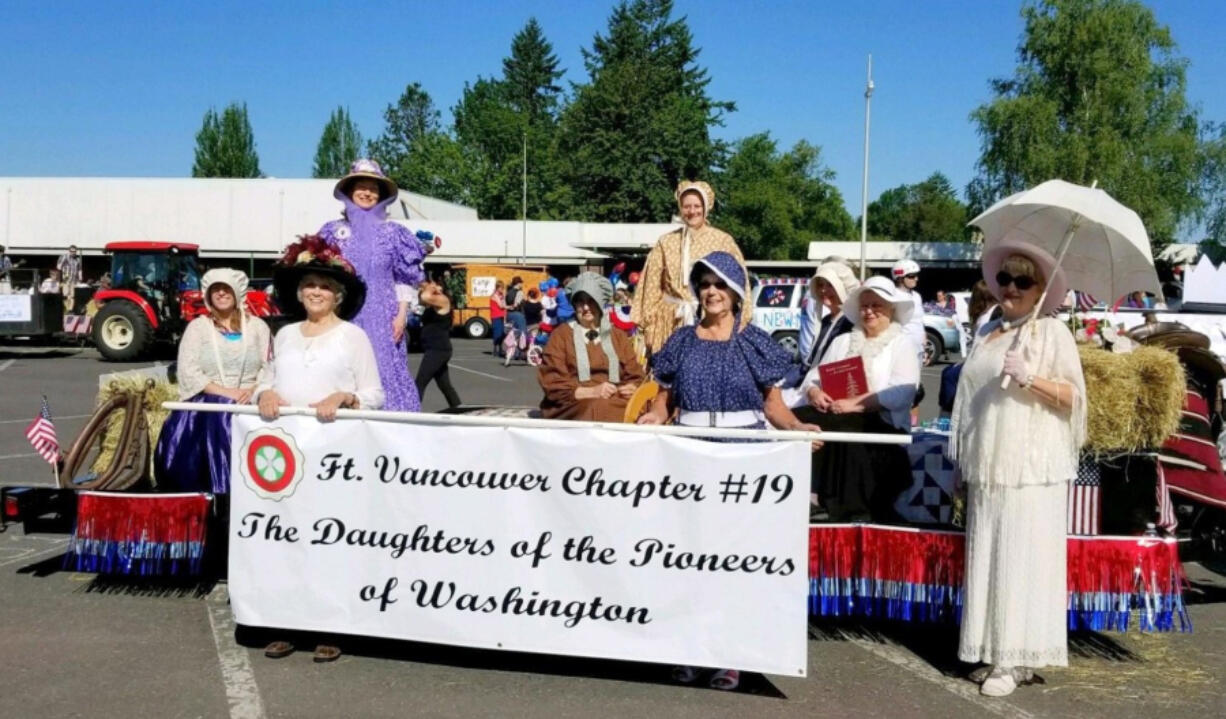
{"x":523,"y":245}
{"x":868,"y":99}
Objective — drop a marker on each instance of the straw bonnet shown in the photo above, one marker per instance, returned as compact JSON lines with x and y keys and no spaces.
{"x":365,"y":169}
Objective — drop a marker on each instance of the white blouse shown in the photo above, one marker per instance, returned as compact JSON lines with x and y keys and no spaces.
{"x":1008,"y":437}
{"x":308,"y":369}
{"x":892,"y":371}
{"x":205,"y":356}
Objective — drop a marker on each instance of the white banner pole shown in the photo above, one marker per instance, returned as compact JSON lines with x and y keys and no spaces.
{"x":532,"y":423}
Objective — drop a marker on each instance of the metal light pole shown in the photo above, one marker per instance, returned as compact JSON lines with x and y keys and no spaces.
{"x":523,"y":245}
{"x":868,"y":99}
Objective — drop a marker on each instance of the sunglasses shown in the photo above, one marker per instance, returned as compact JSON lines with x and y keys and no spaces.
{"x":911,"y":276}
{"x":717,"y":284}
{"x":1022,"y":282}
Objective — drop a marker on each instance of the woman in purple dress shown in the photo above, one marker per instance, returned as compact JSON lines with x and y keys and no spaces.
{"x":388,"y":258}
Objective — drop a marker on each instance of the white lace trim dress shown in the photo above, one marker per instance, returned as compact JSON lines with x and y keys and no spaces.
{"x":1016,"y":455}
{"x":205,"y":356}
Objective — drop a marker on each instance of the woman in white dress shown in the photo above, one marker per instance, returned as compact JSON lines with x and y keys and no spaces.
{"x":855,"y":482}
{"x":221,"y":356}
{"x":1017,"y":449}
{"x":324,"y":361}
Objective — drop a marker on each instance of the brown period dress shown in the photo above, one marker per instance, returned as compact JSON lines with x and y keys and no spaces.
{"x":559,"y":377}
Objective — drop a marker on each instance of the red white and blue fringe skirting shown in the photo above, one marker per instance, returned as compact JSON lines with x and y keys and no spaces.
{"x":139,"y":534}
{"x":907,"y":574}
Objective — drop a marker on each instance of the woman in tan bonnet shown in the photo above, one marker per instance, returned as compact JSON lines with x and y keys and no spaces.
{"x":589,"y":370}
{"x":664,"y":301}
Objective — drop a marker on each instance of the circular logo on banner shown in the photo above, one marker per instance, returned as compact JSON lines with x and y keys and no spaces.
{"x":271,"y":463}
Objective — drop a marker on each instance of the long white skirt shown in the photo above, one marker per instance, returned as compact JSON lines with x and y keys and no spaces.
{"x":1015,"y":610}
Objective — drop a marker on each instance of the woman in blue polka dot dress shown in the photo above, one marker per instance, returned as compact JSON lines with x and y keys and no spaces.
{"x":720,"y":373}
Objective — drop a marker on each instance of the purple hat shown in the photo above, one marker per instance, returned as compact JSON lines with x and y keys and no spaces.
{"x":1057,"y":285}
{"x":725,"y":266}
{"x":367,"y":169}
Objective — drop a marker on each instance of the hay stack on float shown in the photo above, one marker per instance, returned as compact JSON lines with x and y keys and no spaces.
{"x":1134,"y":399}
{"x":115,"y":450}
{"x":120,"y":528}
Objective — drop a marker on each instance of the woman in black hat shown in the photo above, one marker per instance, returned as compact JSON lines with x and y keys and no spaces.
{"x":323,"y":361}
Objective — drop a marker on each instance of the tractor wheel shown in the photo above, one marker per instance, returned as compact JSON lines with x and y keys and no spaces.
{"x":122,"y":332}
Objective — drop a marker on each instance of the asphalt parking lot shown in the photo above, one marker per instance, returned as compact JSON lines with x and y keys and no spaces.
{"x":78,"y":645}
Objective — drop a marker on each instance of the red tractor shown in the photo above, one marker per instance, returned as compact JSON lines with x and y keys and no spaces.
{"x":155,"y":292}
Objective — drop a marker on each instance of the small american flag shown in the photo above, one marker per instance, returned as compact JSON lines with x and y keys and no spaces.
{"x":1085,"y":500}
{"x":1085,"y":302}
{"x":41,"y":434}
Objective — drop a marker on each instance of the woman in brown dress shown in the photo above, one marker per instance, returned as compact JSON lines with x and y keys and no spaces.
{"x":589,"y":370}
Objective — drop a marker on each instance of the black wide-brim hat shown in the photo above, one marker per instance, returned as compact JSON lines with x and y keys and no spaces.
{"x":285,"y":281}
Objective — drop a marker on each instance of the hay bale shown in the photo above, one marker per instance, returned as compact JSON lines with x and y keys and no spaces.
{"x":1133,"y":400}
{"x":161,"y":392}
{"x":1164,"y":389}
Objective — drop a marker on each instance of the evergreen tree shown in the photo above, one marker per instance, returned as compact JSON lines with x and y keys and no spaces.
{"x":641,"y":123}
{"x":225,"y":145}
{"x":339,"y":146}
{"x":531,"y":73}
{"x":1098,"y":94}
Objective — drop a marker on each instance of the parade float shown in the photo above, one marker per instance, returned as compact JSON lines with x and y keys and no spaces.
{"x":628,"y":519}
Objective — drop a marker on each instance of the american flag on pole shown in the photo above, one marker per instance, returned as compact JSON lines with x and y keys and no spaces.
{"x":41,"y":434}
{"x":1085,"y":499}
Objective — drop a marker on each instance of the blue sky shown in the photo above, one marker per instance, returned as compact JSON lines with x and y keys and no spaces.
{"x":119,"y":88}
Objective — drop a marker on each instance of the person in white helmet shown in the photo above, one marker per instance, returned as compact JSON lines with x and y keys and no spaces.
{"x":906,"y":278}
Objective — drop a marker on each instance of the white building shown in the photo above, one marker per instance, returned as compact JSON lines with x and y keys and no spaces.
{"x":256,"y":219}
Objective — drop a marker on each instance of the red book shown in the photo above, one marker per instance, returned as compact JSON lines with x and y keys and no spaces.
{"x":844,"y":379}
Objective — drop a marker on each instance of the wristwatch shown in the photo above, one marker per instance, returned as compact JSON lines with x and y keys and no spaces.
{"x":1029,"y":381}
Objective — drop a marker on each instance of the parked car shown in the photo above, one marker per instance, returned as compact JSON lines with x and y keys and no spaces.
{"x":778,"y":303}
{"x":942,"y":335}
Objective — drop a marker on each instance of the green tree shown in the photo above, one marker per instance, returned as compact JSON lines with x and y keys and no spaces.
{"x":415,"y":152}
{"x":531,"y":74}
{"x":1213,"y":186}
{"x":225,"y":145}
{"x":410,"y":119}
{"x":1098,"y":94}
{"x":339,"y":146}
{"x":775,"y":203}
{"x":641,"y":123}
{"x":488,"y":127}
{"x":927,"y":211}
{"x":496,"y":120}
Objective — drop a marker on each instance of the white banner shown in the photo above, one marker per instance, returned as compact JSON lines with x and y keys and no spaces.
{"x":15,"y":308}
{"x":581,"y":542}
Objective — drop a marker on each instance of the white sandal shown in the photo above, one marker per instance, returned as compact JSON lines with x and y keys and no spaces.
{"x":1000,"y":684}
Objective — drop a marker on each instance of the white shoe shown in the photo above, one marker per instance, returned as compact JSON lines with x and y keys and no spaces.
{"x":1000,"y":684}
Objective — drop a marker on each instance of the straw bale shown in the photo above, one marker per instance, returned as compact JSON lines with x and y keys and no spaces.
{"x":1133,"y":399}
{"x":1164,"y":388}
{"x":161,"y":392}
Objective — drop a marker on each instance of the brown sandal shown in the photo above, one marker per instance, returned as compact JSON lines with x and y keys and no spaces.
{"x":326,"y":653}
{"x":278,"y":649}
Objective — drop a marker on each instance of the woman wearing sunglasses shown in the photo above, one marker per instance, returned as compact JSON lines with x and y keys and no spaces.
{"x":1017,"y":448}
{"x":721,"y":372}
